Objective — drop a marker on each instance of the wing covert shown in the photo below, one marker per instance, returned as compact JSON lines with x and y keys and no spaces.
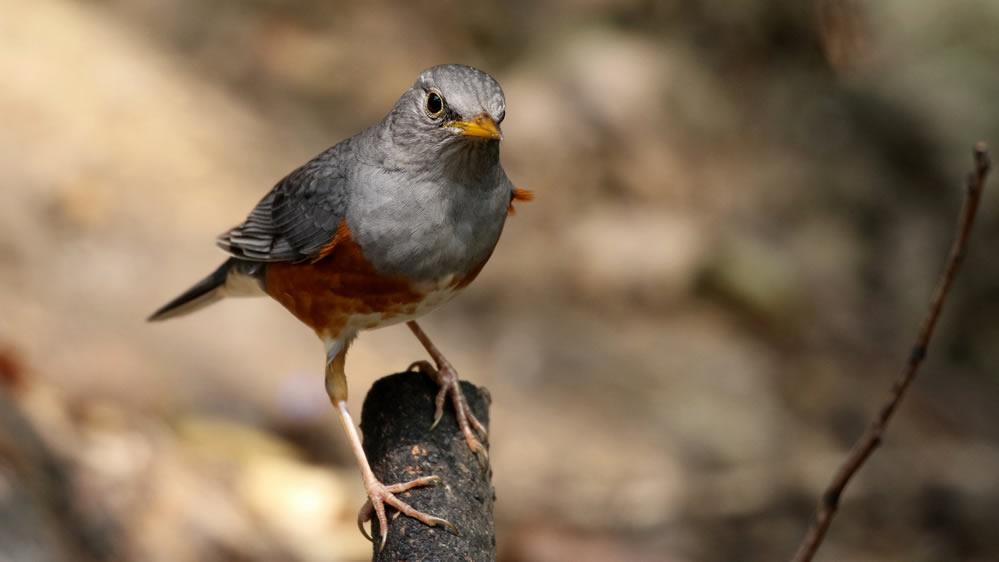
{"x":297,"y":218}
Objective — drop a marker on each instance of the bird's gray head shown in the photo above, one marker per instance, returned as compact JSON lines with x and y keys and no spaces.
{"x":451,"y":109}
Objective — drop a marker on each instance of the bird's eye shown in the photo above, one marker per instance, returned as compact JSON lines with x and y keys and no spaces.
{"x":435,"y":105}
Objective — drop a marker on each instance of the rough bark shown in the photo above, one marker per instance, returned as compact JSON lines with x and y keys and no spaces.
{"x":395,"y":421}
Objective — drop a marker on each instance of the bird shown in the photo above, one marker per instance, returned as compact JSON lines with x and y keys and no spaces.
{"x":380,"y":229}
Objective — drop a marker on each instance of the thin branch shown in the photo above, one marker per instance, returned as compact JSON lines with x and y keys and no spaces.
{"x":871,"y":438}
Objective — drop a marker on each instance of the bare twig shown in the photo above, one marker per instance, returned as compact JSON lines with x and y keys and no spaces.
{"x":871,"y":438}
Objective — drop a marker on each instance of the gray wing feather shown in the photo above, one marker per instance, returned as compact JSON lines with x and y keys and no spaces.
{"x":298,"y":217}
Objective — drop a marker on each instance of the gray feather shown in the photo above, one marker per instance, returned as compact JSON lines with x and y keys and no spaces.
{"x":299,"y":216}
{"x":421,"y":201}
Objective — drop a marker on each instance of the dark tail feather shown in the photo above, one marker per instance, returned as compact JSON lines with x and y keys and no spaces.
{"x":202,"y":294}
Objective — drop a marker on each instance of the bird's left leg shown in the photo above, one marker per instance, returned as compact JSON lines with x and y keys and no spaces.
{"x":447,"y":378}
{"x":378,"y":494}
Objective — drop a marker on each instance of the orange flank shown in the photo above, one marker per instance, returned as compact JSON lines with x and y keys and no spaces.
{"x":524,"y":195}
{"x":339,"y":289}
{"x":327,"y":293}
{"x":342,"y":234}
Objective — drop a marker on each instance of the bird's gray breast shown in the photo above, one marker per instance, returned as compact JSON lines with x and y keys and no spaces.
{"x":427,"y":228}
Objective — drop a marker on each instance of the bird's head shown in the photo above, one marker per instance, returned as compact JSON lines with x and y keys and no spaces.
{"x":450,"y":108}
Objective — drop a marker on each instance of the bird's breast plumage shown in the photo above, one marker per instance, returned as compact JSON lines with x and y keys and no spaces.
{"x":420,"y":210}
{"x":385,"y":274}
{"x":428,"y":227}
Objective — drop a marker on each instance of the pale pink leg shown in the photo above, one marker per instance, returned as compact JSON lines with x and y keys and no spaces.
{"x":447,"y":378}
{"x":378,"y":494}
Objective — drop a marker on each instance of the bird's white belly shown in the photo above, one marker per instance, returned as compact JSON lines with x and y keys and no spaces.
{"x":358,"y":322}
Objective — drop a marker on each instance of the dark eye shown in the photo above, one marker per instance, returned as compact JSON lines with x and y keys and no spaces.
{"x":435,"y":105}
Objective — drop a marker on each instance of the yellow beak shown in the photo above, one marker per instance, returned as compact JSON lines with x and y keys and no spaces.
{"x":483,"y":127}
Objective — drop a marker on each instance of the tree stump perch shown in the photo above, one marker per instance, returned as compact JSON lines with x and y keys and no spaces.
{"x":395,"y":423}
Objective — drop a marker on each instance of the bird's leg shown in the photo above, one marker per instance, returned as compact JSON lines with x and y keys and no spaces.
{"x":378,"y":494}
{"x":445,"y":376}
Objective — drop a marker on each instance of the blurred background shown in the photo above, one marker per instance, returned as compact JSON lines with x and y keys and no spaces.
{"x":741,"y":209}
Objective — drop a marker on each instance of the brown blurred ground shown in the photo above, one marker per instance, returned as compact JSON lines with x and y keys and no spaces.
{"x":741,"y":209}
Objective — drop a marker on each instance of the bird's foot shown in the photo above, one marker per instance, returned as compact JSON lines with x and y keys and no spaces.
{"x":446,"y":377}
{"x":379,"y":495}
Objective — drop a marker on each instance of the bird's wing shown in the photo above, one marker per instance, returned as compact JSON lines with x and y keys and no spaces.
{"x":298,"y":219}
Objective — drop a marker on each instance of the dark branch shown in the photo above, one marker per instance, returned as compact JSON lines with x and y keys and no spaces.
{"x":395,"y":421}
{"x":871,"y":438}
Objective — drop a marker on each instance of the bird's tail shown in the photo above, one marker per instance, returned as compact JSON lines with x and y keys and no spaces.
{"x":234,"y":278}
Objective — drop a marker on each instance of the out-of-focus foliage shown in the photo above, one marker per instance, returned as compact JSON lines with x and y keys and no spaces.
{"x":741,"y":209}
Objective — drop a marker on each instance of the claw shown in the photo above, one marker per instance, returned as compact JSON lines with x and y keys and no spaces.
{"x":421,"y":366}
{"x":475,"y":433}
{"x":481,"y":455}
{"x":447,"y":525}
{"x":438,"y":405}
{"x":365,"y":515}
{"x":480,"y":430}
{"x":379,"y":494}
